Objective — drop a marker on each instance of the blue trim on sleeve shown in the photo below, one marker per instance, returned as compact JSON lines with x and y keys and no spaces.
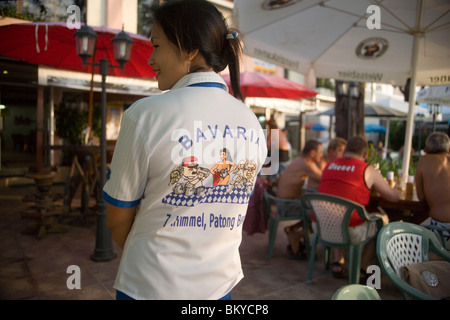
{"x":207,"y":85}
{"x":120,"y":203}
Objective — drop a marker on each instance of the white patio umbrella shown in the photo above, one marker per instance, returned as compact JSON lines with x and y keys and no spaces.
{"x":374,"y":110}
{"x":355,"y":40}
{"x":434,"y":96}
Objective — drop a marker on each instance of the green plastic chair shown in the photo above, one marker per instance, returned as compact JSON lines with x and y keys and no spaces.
{"x":287,"y":209}
{"x":439,"y":232}
{"x":356,"y":292}
{"x":401,"y":244}
{"x":332,"y":218}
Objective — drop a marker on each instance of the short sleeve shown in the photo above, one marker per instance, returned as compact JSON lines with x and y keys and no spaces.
{"x":129,"y":166}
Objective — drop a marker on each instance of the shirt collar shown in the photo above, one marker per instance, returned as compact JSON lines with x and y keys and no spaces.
{"x":199,"y":77}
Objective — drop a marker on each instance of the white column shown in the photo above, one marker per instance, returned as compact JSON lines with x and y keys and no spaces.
{"x":130,"y":15}
{"x":96,"y":13}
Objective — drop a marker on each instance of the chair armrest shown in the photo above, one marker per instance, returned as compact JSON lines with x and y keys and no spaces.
{"x":309,"y":190}
{"x":377,"y":220}
{"x":440,"y":230}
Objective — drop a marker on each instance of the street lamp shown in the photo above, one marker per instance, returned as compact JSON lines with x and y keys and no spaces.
{"x":86,"y":41}
{"x":435,"y":111}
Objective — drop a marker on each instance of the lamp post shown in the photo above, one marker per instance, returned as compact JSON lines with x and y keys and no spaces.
{"x":435,"y":110}
{"x":86,"y":42}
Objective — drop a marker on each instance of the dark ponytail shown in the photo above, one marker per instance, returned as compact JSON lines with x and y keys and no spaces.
{"x":197,"y":24}
{"x":234,"y":58}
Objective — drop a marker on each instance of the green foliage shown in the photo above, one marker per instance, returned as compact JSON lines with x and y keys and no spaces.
{"x":70,"y":123}
{"x":97,"y":120}
{"x":388,"y":164}
{"x":8,"y":11}
{"x":397,"y":132}
{"x":324,"y":83}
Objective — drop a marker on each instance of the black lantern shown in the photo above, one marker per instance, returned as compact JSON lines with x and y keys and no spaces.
{"x":122,"y":47}
{"x":86,"y":40}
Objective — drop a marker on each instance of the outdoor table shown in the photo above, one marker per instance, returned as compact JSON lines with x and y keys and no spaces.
{"x":44,"y":211}
{"x":408,"y":208}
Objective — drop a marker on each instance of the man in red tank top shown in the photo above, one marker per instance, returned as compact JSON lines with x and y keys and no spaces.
{"x":352,"y":178}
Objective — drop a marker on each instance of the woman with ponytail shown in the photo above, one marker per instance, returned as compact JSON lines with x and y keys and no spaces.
{"x":180,"y":232}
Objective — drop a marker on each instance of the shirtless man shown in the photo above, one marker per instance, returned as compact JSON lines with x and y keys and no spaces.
{"x":433,"y":179}
{"x":290,"y":184}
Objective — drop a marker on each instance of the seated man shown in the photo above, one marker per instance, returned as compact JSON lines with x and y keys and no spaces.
{"x":335,"y":150}
{"x":293,"y":177}
{"x":290,"y":186}
{"x":433,"y":181}
{"x":356,"y":185}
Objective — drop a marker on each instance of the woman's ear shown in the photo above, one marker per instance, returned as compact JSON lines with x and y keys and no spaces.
{"x":191,"y":55}
{"x":190,"y":59}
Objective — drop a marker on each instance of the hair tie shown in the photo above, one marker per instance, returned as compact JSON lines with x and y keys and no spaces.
{"x":232,"y":36}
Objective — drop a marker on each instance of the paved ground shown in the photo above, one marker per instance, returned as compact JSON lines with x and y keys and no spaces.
{"x":36,"y":269}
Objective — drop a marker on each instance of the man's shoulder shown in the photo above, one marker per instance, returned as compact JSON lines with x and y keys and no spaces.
{"x":306,"y":163}
{"x":298,"y":161}
{"x":296,"y":165}
{"x":435,"y":159}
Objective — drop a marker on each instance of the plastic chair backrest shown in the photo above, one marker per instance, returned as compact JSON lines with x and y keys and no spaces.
{"x":356,"y":292}
{"x":404,"y":249}
{"x":286,"y":207}
{"x":401,"y":244}
{"x":332,"y":215}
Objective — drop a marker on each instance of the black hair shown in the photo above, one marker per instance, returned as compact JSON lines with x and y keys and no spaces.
{"x":311,"y":145}
{"x":198,"y":24}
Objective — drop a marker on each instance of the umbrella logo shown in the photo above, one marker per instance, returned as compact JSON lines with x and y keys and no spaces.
{"x":372,"y":48}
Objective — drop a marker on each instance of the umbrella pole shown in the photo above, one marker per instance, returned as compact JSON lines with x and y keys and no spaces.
{"x":412,"y":97}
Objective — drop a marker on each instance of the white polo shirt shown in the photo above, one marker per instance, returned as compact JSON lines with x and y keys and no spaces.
{"x":185,"y":238}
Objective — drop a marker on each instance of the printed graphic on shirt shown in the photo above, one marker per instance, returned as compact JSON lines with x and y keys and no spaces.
{"x":231,"y":183}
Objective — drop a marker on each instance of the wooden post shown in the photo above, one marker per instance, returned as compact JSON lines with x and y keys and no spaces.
{"x":340,"y":112}
{"x":349,"y":110}
{"x":40,"y":127}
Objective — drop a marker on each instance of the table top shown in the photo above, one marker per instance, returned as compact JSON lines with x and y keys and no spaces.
{"x":408,"y":208}
{"x":403,"y":197}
